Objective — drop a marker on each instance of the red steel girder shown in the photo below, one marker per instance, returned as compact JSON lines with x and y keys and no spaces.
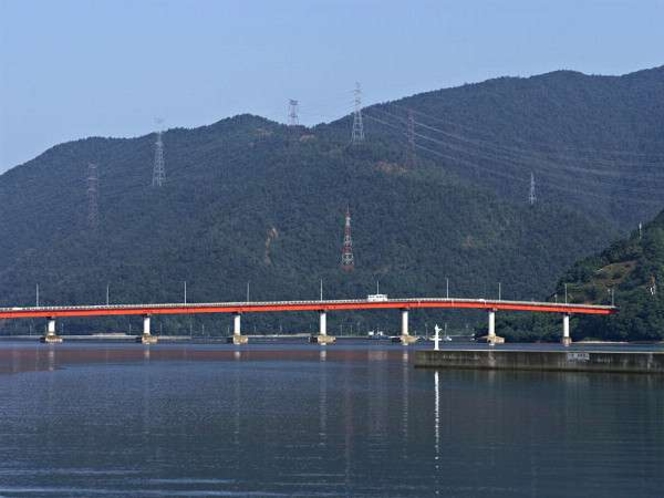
{"x":286,"y":306}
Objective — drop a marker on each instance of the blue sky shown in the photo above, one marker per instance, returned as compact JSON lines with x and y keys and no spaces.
{"x":76,"y":68}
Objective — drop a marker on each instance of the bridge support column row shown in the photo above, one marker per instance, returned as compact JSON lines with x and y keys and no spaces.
{"x":237,"y":337}
{"x":491,"y":337}
{"x":322,"y":338}
{"x":51,"y":337}
{"x":567,"y":340}
{"x":406,"y":338}
{"x":147,"y":337}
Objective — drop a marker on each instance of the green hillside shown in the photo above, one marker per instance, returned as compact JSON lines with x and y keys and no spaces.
{"x":249,"y":200}
{"x":628,"y":274}
{"x":633,"y":269}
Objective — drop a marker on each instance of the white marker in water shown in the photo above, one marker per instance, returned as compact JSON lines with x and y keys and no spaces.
{"x":436,"y":337}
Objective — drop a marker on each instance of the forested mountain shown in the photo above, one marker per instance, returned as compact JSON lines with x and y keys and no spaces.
{"x":249,"y":200}
{"x":592,"y":142}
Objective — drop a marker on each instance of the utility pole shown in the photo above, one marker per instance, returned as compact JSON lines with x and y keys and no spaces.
{"x":247,"y":291}
{"x":108,"y":289}
{"x":358,"y":127}
{"x":531,"y":196}
{"x":321,"y":289}
{"x":185,"y":292}
{"x":499,"y":292}
{"x":37,"y":295}
{"x":293,"y":119}
{"x":447,"y":287}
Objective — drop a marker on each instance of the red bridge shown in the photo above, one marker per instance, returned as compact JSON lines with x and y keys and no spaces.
{"x":51,"y":313}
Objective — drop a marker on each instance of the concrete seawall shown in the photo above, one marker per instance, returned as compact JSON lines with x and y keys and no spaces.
{"x":557,"y":361}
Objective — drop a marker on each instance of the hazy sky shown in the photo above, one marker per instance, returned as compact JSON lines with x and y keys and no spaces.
{"x":77,"y":68}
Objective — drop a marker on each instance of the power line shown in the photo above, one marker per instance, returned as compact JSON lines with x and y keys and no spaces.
{"x":549,"y":185}
{"x":509,"y":159}
{"x":557,"y":147}
{"x":512,"y":177}
{"x":505,"y":149}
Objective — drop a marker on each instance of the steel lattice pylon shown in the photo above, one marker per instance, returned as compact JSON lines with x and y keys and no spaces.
{"x":358,"y":127}
{"x":93,"y":196}
{"x":347,"y":257}
{"x":159,"y":171}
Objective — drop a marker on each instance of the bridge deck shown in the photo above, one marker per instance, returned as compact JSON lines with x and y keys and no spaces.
{"x":281,"y":306}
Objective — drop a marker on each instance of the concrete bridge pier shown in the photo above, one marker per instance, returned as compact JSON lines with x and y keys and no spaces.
{"x":491,"y":337}
{"x":238,"y":339}
{"x":406,"y":338}
{"x":322,"y":338}
{"x":147,"y":337}
{"x":567,"y":340}
{"x":51,"y":337}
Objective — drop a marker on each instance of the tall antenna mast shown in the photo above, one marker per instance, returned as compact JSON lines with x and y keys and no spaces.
{"x":93,"y":196}
{"x":531,"y":196}
{"x":347,"y":258}
{"x":159,"y":170}
{"x":358,"y":127}
{"x":411,"y":139}
{"x":293,"y":119}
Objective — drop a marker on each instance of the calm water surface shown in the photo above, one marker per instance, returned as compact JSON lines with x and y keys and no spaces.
{"x":300,"y":420}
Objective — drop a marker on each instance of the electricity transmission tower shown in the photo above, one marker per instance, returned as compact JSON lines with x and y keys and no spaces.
{"x":531,"y":196}
{"x":293,"y":119}
{"x":358,"y":127}
{"x":347,"y":258}
{"x":411,"y":139}
{"x":93,"y":196}
{"x":159,"y":170}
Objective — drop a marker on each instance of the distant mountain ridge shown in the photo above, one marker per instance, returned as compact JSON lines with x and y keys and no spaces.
{"x":460,"y":212}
